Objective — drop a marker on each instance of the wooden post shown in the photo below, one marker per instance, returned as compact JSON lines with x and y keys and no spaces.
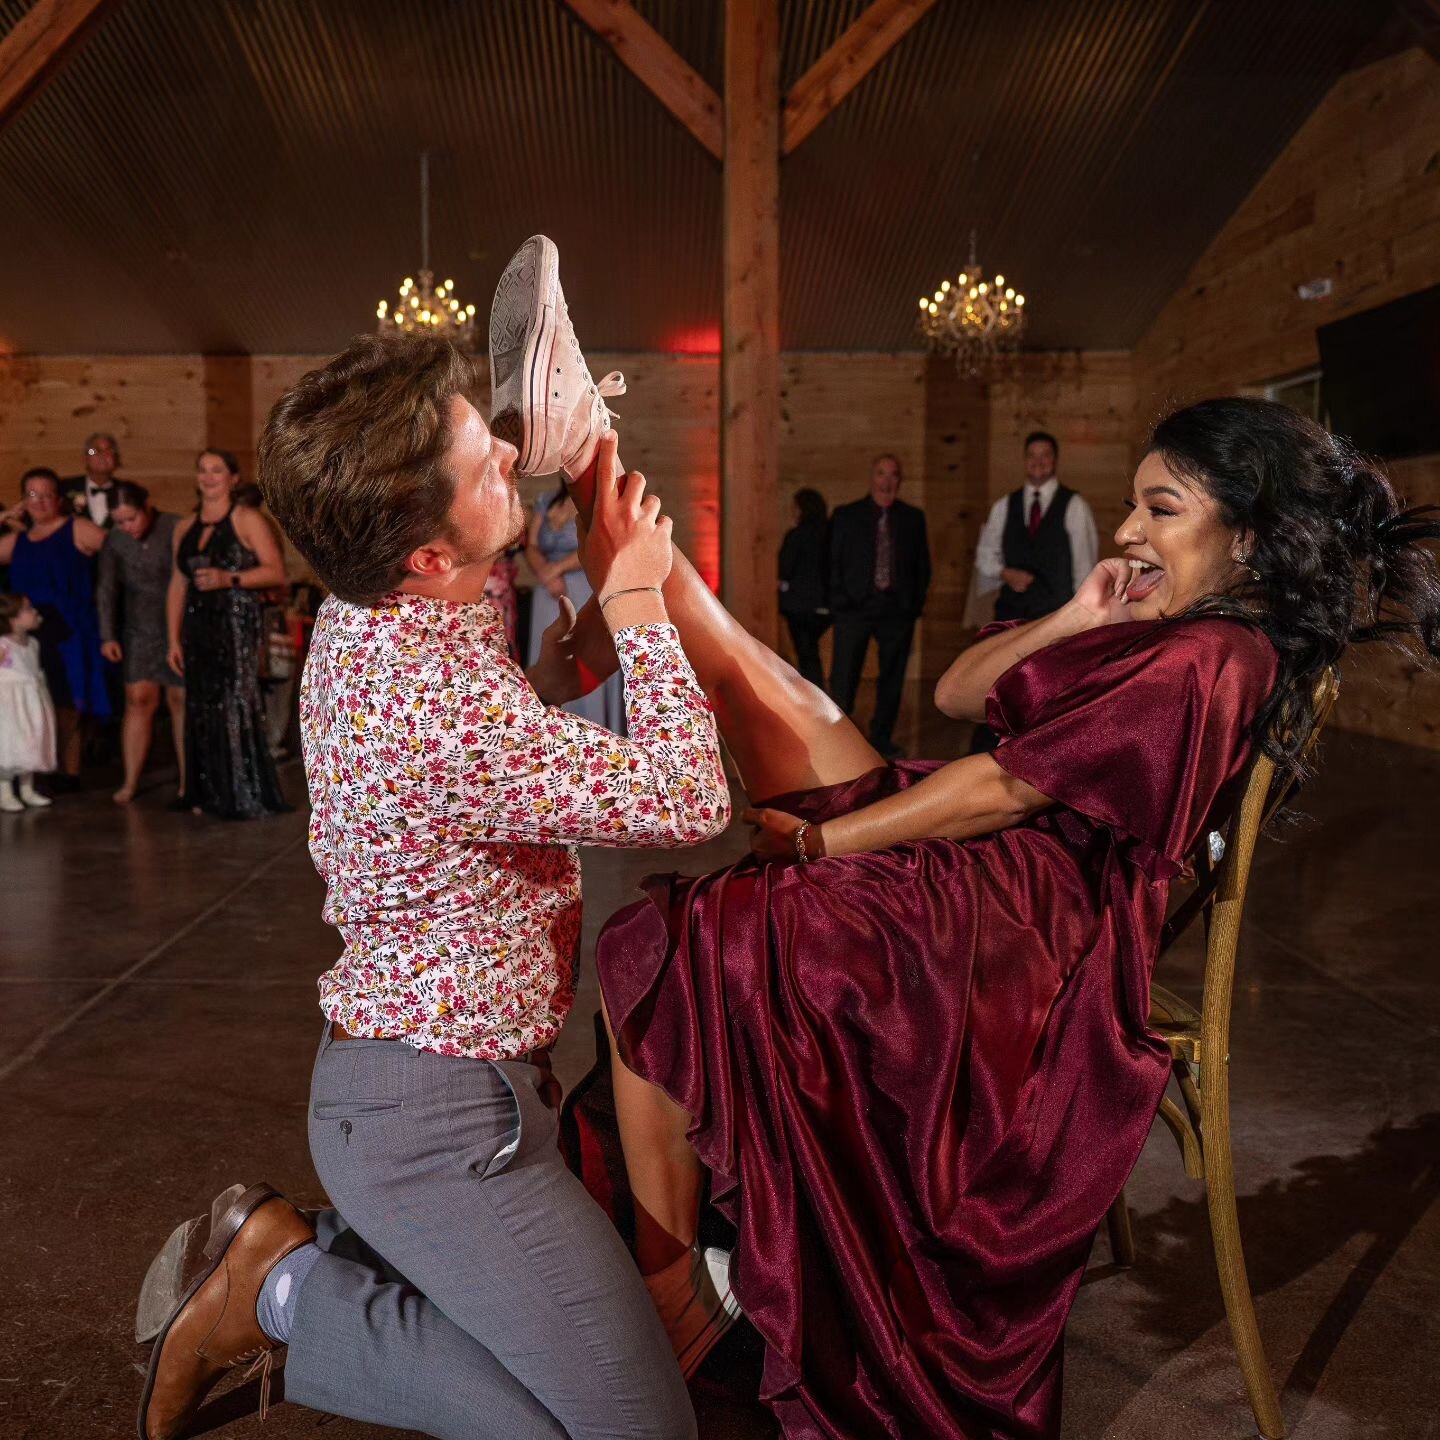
{"x":750,"y":332}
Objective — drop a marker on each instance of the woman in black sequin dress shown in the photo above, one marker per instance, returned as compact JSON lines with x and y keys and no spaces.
{"x":225,"y":554}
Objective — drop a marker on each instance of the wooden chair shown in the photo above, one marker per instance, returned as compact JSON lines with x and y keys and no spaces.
{"x":1199,"y":1042}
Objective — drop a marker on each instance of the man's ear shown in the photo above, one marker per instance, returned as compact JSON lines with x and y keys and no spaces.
{"x":430,"y":562}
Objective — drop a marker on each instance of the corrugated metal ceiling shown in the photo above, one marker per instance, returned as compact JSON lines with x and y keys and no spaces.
{"x":240,"y":175}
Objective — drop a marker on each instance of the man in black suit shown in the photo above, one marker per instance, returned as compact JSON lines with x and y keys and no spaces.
{"x":89,"y":494}
{"x":879,"y":574}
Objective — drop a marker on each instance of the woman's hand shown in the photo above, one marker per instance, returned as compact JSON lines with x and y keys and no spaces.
{"x":772,"y":835}
{"x":556,"y":586}
{"x":1100,"y":598}
{"x":628,"y":546}
{"x":209,"y":578}
{"x":176,"y":657}
{"x":555,"y":675}
{"x":112,"y":652}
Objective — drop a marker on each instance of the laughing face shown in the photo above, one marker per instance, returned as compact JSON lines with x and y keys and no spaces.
{"x":1179,"y":548}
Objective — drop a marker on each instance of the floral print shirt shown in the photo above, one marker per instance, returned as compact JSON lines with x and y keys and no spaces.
{"x":447,"y":802}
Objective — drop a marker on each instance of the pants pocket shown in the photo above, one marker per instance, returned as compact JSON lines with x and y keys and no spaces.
{"x":486,"y":1120}
{"x":345,"y":1109}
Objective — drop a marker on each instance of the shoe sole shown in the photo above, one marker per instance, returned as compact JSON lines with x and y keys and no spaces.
{"x":221,"y":1236}
{"x":716,"y":1328}
{"x":537,"y":341}
{"x":174,"y":1266}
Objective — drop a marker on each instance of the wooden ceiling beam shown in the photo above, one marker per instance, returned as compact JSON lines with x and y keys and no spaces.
{"x":38,"y":44}
{"x":846,"y":63}
{"x":649,"y":57}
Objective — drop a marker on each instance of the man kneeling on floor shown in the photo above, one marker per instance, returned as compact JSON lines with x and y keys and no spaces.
{"x":472,"y":1287}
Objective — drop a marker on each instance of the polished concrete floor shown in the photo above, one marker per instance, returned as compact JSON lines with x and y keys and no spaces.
{"x":158,"y":1021}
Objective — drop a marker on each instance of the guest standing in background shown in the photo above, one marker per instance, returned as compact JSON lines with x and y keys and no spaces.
{"x":27,"y":718}
{"x":225,"y":554}
{"x":92,"y":494}
{"x":879,"y":576}
{"x":554,"y":555}
{"x":804,"y":578}
{"x":500,"y":592}
{"x":135,"y":569}
{"x":278,"y":668}
{"x":53,"y":562}
{"x":1038,"y":543}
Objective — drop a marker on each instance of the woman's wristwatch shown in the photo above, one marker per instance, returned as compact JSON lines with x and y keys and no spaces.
{"x":234,"y":579}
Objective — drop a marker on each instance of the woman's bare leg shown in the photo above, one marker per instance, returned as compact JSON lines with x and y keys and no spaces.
{"x":142,"y":699}
{"x":783,"y":733}
{"x":175,"y":699}
{"x":665,"y":1173}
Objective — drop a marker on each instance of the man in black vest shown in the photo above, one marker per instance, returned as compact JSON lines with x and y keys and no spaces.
{"x":1037,"y":545}
{"x":879,"y":573}
{"x":1039,"y":541}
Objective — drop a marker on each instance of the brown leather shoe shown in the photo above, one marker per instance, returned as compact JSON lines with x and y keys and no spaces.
{"x":214,"y":1327}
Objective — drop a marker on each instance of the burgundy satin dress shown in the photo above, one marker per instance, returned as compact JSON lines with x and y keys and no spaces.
{"x":920,"y":1077}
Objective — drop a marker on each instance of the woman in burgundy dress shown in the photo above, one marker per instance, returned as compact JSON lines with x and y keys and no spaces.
{"x":914,"y":1060}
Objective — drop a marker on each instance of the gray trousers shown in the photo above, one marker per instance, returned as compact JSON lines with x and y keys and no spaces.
{"x":472,"y":1288}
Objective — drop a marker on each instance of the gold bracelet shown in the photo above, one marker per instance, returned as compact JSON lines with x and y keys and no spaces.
{"x":801,"y":853}
{"x":633,"y":590}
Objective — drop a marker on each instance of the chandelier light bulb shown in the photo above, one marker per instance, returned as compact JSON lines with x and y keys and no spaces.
{"x":1019,"y":299}
{"x":999,"y":281}
{"x":470,"y":310}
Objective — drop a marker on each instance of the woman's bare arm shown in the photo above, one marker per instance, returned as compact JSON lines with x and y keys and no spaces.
{"x":966,"y":798}
{"x":963,"y":688}
{"x":252,"y":528}
{"x":1099,"y":600}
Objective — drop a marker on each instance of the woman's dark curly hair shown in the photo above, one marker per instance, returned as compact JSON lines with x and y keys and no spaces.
{"x":1337,"y":558}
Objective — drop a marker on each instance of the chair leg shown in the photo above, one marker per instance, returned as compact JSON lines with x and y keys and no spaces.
{"x":1122,"y":1235}
{"x":1234,"y":1283}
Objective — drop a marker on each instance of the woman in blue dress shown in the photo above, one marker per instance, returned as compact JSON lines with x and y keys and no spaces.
{"x":53,"y":563}
{"x":553,"y":551}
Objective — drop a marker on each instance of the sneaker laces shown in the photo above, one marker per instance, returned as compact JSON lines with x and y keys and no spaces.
{"x":612,"y":384}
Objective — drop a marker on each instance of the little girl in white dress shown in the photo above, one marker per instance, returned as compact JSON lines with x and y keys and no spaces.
{"x":27,"y":717}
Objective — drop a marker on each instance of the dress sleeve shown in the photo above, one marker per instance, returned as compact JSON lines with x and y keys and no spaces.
{"x":1138,"y":727}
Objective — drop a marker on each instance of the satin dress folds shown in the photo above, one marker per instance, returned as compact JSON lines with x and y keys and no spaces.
{"x":920,"y":1077}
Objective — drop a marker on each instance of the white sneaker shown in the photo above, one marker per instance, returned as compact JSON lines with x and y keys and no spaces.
{"x":8,"y":803}
{"x":30,"y":795}
{"x":543,"y":399}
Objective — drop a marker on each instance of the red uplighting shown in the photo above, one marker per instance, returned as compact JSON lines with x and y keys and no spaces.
{"x":693,"y":340}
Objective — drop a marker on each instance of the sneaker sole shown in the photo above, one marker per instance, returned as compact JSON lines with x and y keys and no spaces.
{"x":220,"y":1237}
{"x":536,"y":340}
{"x":717,"y":1327}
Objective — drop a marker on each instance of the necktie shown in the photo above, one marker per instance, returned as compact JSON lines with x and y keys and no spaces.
{"x":1036,"y":514}
{"x":884,"y":554}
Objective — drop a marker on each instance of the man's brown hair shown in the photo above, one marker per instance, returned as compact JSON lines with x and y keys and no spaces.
{"x":352,"y":461}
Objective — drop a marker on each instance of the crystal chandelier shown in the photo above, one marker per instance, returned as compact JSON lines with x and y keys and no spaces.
{"x":426,"y":307}
{"x":977,"y":320}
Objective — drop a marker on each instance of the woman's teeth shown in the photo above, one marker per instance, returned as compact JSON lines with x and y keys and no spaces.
{"x":1144,"y":577}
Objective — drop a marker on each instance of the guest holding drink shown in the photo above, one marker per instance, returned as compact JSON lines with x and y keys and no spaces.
{"x":225,"y":554}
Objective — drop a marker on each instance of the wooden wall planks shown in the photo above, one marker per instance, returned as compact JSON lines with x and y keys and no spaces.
{"x":1354,"y":197}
